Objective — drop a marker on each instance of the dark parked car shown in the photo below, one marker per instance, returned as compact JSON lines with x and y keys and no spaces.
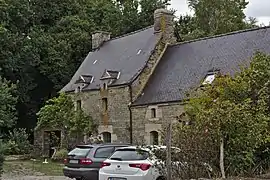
{"x":84,"y":161}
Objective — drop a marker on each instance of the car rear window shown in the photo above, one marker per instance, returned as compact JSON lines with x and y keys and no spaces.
{"x":129,"y":155}
{"x":80,"y":151}
{"x":104,"y":152}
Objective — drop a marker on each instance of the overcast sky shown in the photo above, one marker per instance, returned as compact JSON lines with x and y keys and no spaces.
{"x":256,"y":8}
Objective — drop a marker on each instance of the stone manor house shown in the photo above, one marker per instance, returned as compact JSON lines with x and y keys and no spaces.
{"x":134,"y":84}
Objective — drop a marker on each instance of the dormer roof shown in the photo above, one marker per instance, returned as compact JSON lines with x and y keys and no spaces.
{"x":110,"y":74}
{"x":85,"y":79}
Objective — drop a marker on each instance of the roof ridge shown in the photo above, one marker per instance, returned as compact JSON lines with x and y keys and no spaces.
{"x":130,"y":33}
{"x":220,"y":35}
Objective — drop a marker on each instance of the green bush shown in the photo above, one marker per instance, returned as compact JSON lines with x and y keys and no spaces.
{"x":18,"y":143}
{"x":60,"y":155}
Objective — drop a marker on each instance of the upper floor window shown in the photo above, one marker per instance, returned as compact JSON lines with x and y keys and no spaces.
{"x":104,"y":87}
{"x":153,"y":113}
{"x":105,"y":104}
{"x":79,"y":105}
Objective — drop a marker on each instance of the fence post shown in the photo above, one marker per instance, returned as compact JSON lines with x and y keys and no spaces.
{"x":169,"y":143}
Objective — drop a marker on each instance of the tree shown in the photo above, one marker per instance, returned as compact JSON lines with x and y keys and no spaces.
{"x":59,"y":112}
{"x":232,"y":112}
{"x":8,"y":100}
{"x":8,"y":113}
{"x":219,"y":16}
{"x":213,"y":17}
{"x":44,"y":42}
{"x":187,"y":28}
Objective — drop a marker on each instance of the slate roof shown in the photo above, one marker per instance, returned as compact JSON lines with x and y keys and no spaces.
{"x":184,"y":66}
{"x":127,"y":54}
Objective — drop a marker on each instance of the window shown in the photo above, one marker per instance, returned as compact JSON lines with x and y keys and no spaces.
{"x":105,"y":104}
{"x":104,"y":86}
{"x":106,"y":137}
{"x":104,"y":152}
{"x":130,"y":155}
{"x":153,"y":113}
{"x":80,"y":151}
{"x":209,"y":79}
{"x":154,"y":138}
{"x":79,"y":105}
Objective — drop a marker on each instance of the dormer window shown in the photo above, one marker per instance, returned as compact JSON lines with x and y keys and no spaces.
{"x":210,"y":77}
{"x":109,"y":74}
{"x":85,"y":79}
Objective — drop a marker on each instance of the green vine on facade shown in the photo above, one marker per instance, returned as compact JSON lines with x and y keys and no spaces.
{"x":60,"y":113}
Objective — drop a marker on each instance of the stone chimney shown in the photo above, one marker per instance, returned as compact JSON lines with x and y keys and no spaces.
{"x":163,"y":23}
{"x":98,"y":38}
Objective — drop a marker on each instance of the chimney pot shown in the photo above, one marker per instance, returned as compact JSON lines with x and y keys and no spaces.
{"x":98,"y":38}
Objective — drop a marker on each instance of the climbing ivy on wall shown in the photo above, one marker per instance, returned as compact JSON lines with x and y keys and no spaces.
{"x":59,"y":113}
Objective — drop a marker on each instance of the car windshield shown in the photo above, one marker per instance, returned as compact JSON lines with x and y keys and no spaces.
{"x":129,"y":155}
{"x":80,"y":151}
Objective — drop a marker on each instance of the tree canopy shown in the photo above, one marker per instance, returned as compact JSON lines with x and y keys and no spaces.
{"x":213,"y":17}
{"x":8,"y":102}
{"x":234,"y":110}
{"x":60,"y":113}
{"x":43,"y":42}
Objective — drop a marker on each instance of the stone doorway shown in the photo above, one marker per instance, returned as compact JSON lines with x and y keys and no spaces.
{"x":52,"y":140}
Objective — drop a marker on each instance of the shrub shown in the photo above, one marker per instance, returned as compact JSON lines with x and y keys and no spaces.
{"x":18,"y":143}
{"x":60,"y":155}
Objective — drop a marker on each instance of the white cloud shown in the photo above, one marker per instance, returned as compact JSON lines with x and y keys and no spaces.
{"x":256,"y":8}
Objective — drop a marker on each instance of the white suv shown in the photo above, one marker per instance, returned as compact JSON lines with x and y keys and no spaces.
{"x":130,"y":163}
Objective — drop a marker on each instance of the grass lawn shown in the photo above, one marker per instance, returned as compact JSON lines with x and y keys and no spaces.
{"x":34,"y":167}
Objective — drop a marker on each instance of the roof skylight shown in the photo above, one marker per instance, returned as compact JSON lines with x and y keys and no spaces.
{"x":209,"y":79}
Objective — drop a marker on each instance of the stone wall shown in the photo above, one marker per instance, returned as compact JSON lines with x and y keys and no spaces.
{"x":118,"y":111}
{"x":144,"y":123}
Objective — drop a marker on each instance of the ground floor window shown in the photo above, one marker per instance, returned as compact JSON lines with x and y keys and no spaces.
{"x":107,"y":137}
{"x":154,"y":138}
